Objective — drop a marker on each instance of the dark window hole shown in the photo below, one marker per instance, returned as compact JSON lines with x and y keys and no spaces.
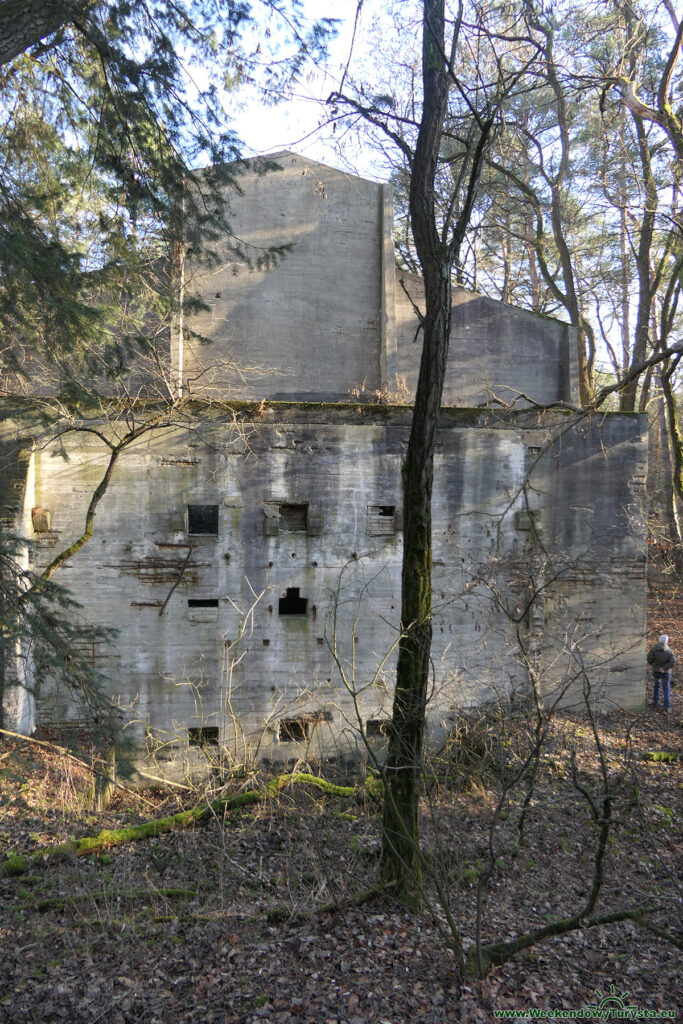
{"x":297,"y":730}
{"x":292,"y":603}
{"x":203,"y":736}
{"x":294,"y":517}
{"x":202,"y":519}
{"x":202,"y":602}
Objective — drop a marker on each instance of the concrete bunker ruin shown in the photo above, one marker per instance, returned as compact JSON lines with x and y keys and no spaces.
{"x":251,"y":569}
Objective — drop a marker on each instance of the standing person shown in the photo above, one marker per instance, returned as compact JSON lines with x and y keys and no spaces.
{"x":662,"y":659}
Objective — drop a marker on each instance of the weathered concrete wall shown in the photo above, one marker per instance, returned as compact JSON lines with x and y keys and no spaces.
{"x":596,"y":505}
{"x":238,"y":664}
{"x":315,"y":323}
{"x":497,"y":352}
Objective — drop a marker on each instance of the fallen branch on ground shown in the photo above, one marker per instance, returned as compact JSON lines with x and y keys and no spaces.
{"x":107,"y":838}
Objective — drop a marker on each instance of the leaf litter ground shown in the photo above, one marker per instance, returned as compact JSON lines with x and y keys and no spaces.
{"x":223,"y":923}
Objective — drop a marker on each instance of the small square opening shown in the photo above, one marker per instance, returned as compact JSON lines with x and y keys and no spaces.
{"x":202,"y":520}
{"x":292,"y":603}
{"x":381,"y":520}
{"x":528,"y":519}
{"x":203,"y":736}
{"x":294,"y":517}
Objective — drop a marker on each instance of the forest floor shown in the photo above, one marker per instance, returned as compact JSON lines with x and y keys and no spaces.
{"x":264,"y":913}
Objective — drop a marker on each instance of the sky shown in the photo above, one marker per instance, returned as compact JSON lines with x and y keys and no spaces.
{"x":299,"y":122}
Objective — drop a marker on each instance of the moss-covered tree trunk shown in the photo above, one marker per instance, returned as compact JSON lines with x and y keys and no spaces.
{"x":400,"y":849}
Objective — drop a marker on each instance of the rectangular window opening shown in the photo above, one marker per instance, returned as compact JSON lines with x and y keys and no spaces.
{"x":292,"y":603}
{"x":294,"y":517}
{"x":381,"y":520}
{"x":293,"y":730}
{"x":298,"y":730}
{"x":41,"y":519}
{"x":202,"y":602}
{"x":377,"y":727}
{"x":202,"y":520}
{"x":203,"y":736}
{"x":528,"y":519}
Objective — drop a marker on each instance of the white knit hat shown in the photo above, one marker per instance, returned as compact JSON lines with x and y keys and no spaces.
{"x":663,"y":639}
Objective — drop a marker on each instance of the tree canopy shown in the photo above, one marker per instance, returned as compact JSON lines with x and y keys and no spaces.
{"x":578,"y":209}
{"x":113,"y":111}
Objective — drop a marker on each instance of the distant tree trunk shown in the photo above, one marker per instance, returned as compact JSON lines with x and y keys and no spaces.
{"x":646,"y":286}
{"x":105,"y":779}
{"x":400,"y":850}
{"x":529,"y":238}
{"x":674,"y":444}
{"x":2,"y":677}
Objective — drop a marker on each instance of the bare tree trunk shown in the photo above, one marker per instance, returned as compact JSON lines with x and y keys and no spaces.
{"x":438,"y":250}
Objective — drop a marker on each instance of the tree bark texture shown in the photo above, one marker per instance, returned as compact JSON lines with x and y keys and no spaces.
{"x":23,"y":23}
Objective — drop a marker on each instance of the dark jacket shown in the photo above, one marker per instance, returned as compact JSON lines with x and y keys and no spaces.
{"x":661,"y":657}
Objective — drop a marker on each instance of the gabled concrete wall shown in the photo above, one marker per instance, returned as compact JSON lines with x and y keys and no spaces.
{"x":314,"y":324}
{"x":335,"y":318}
{"x":241,"y":666}
{"x":497,"y":353}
